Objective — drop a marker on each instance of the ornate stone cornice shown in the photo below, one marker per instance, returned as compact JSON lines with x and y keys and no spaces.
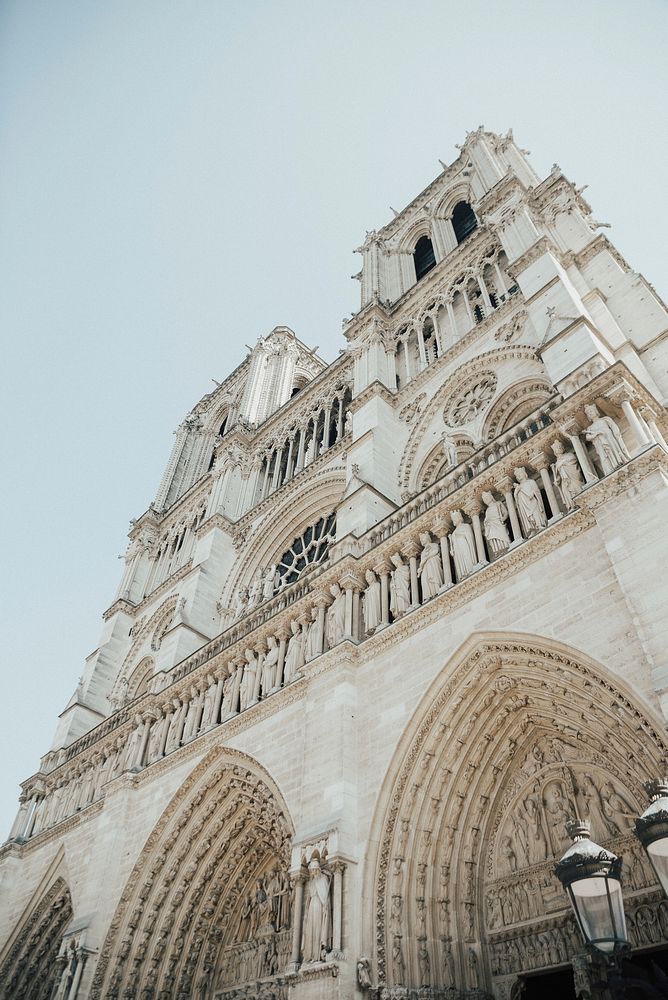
{"x":542,"y":246}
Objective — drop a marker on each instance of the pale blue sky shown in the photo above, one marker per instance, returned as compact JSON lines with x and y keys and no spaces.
{"x":177,"y":178}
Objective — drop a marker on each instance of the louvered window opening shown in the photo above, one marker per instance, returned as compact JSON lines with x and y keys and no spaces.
{"x":423,"y":257}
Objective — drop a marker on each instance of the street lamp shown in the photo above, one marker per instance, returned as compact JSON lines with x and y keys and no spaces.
{"x":652,"y":829}
{"x":591,"y":877}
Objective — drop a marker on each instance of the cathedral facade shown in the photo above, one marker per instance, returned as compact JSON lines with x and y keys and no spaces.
{"x":387,"y":626}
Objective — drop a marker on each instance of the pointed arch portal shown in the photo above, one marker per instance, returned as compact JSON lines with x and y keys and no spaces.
{"x":208,"y":904}
{"x":516,"y":737}
{"x":30,"y":971}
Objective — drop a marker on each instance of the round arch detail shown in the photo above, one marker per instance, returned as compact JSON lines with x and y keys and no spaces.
{"x":519,"y":734}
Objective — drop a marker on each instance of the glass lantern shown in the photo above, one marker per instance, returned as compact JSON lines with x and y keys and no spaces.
{"x":592,"y":878}
{"x":652,"y":829}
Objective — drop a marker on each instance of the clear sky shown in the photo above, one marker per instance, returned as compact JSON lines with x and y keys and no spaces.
{"x":180,"y":176}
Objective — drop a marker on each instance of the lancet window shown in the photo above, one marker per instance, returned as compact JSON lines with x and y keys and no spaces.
{"x":305,"y":441}
{"x":423,"y":257}
{"x":463,"y":221}
{"x":307,"y":550}
{"x":175,"y":548}
{"x":469,"y":301}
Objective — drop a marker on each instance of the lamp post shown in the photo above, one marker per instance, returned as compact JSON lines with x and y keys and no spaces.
{"x":591,"y":877}
{"x":652,"y":829}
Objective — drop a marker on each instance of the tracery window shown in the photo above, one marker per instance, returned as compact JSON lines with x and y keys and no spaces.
{"x":307,"y":550}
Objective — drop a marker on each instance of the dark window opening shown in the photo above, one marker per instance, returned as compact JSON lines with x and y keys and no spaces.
{"x":493,"y":299}
{"x":463,"y":221}
{"x":223,"y":427}
{"x":423,"y":257}
{"x":478,"y":313}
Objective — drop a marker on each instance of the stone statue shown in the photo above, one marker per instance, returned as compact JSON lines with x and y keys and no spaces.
{"x":449,"y":450}
{"x":348,"y":423}
{"x":241,"y":605}
{"x":270,"y":667}
{"x":566,"y":474}
{"x":462,"y":546}
{"x":246,"y":919}
{"x":336,"y":616}
{"x":494,"y":525}
{"x":317,"y":931}
{"x":617,"y":810}
{"x":400,"y":587}
{"x":398,"y":967}
{"x":364,"y":974}
{"x":248,"y":679}
{"x":601,"y":825}
{"x":255,"y":590}
{"x":529,"y":503}
{"x":607,"y":440}
{"x":430,"y":570}
{"x":424,"y":963}
{"x":269,"y":583}
{"x":294,"y":657}
{"x":372,"y":612}
{"x":313,"y":637}
{"x":228,"y":691}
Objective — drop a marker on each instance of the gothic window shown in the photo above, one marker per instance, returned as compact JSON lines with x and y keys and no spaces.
{"x":463,"y":221}
{"x":423,"y":257}
{"x":223,"y":426}
{"x":307,"y":550}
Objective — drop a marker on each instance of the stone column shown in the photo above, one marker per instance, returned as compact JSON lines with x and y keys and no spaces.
{"x":337,"y":868}
{"x":356,"y":613}
{"x":288,"y":470}
{"x":234,"y":710}
{"x":632,"y":417}
{"x":143,"y":743}
{"x":411,"y":551}
{"x":440,"y":528}
{"x":451,"y":319}
{"x":503,"y":288}
{"x":505,"y":486}
{"x":82,"y":955}
{"x":649,"y":419}
{"x":168,"y":710}
{"x":421,"y":350}
{"x":322,"y":603}
{"x":339,"y":428}
{"x":473,"y":510}
{"x":351,"y":585}
{"x":282,"y":634}
{"x":300,"y":451}
{"x":539,"y":462}
{"x":572,"y":431}
{"x":260,"y":649}
{"x":298,"y":878}
{"x":30,"y":826}
{"x":221,"y":675}
{"x":325,"y":429}
{"x":382,"y":570}
{"x":277,"y":469}
{"x":485,"y":295}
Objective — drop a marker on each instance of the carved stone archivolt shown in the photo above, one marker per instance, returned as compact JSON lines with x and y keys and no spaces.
{"x":208,"y":905}
{"x":29,"y":969}
{"x":518,"y":736}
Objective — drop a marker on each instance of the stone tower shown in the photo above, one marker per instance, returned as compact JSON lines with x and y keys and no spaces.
{"x":388,"y":624}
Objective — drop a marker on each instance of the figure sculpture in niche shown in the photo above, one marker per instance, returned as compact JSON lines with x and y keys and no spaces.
{"x":424,"y":963}
{"x":269,"y":583}
{"x":566,"y":474}
{"x":494,"y":525}
{"x":241,"y":605}
{"x":255,"y":590}
{"x":228,"y":692}
{"x":317,"y":932}
{"x":348,"y":423}
{"x":400,"y":587}
{"x":294,"y":657}
{"x":248,"y":679}
{"x":313,"y":637}
{"x":449,"y":450}
{"x":398,"y":967}
{"x":607,"y":440}
{"x":371,"y":599}
{"x":336,"y":616}
{"x":430,"y":571}
{"x":462,"y":546}
{"x":270,"y":682}
{"x":529,"y":502}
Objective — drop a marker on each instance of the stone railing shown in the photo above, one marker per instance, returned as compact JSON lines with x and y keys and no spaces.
{"x":521,"y":486}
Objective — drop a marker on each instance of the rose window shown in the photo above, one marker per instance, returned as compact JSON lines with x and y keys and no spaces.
{"x":469,"y":405}
{"x":307,"y":550}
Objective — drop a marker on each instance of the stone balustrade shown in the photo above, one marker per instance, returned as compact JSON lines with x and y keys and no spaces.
{"x":527,"y":481}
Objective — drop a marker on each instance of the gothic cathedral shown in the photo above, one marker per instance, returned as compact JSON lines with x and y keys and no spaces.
{"x":389,"y":625}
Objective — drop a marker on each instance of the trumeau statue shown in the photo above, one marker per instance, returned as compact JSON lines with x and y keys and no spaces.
{"x":607,"y":440}
{"x":336,"y":616}
{"x":372,"y":612}
{"x":494,"y":525}
{"x":566,"y":474}
{"x":462,"y":546}
{"x":400,"y":586}
{"x":317,"y":928}
{"x":430,"y":571}
{"x":529,"y":502}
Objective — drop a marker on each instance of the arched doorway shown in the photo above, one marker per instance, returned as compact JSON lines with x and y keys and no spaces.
{"x":208,"y":905}
{"x":518,"y":735}
{"x":29,"y":970}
